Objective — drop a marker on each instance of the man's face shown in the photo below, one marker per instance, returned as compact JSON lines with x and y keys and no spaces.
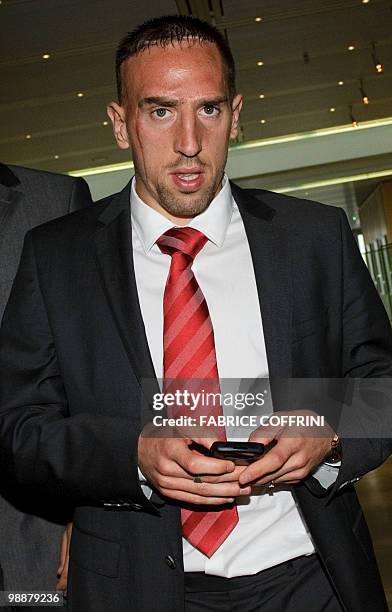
{"x":177,"y":118}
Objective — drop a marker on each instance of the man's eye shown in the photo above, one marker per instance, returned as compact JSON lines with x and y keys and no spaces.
{"x":210,"y":110}
{"x":161,"y":113}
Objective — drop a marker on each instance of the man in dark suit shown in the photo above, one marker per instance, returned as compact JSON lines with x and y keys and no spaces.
{"x":29,"y":543}
{"x":184,"y":275}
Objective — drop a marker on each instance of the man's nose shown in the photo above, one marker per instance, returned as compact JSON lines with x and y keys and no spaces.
{"x":188,"y":137}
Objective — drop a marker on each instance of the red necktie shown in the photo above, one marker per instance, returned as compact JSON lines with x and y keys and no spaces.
{"x":189,"y":353}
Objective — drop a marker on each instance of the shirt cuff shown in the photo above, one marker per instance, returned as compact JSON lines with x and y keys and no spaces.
{"x":143,"y":483}
{"x":326,"y":474}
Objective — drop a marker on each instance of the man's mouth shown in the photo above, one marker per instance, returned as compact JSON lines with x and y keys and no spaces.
{"x":188,"y":177}
{"x":188,"y":181}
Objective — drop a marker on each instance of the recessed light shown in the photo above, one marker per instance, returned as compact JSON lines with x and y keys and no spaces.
{"x":262,"y":120}
{"x":28,"y":136}
{"x":46,"y":56}
{"x":351,"y":47}
{"x":105,"y":122}
{"x":260,"y":63}
{"x":365,"y":1}
{"x":258,"y":19}
{"x":261,"y":96}
{"x":340,"y":82}
{"x":56,"y":156}
{"x":332,"y":109}
{"x":80,"y":94}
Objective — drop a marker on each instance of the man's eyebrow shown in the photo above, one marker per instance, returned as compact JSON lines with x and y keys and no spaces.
{"x":172,"y":102}
{"x":213,"y":101}
{"x":158,"y":101}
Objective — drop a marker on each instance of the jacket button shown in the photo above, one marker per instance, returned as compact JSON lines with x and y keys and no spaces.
{"x":171,"y":562}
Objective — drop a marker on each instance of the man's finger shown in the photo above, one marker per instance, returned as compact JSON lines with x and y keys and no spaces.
{"x":64,"y":548}
{"x":291,"y":470}
{"x":229,"y":477}
{"x":272,"y":462}
{"x":221,"y":489}
{"x":191,"y":498}
{"x":263,"y":437}
{"x":195,"y":463}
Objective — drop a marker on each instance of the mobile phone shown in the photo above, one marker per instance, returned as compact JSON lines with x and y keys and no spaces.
{"x":241,"y":453}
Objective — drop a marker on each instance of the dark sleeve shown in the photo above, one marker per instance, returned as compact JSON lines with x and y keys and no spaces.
{"x":367,"y":354}
{"x":80,"y":195}
{"x":86,"y":457}
{"x":366,"y":434}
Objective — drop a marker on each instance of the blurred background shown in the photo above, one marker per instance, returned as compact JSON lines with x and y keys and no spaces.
{"x":316,"y":76}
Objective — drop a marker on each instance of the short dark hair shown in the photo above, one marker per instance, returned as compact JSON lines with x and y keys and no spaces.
{"x":167,"y":30}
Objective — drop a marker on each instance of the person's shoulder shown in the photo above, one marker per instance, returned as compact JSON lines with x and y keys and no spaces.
{"x":80,"y":223}
{"x":42,"y":176}
{"x":287,"y":205}
{"x":300,"y":215}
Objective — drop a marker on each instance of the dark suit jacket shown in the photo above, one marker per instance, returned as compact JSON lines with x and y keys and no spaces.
{"x":29,"y":545}
{"x":74,"y":356}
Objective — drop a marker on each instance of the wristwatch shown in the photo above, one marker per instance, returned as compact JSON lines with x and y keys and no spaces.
{"x":335,"y":454}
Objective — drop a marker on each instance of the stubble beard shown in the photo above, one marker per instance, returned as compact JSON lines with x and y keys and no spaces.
{"x":188,"y":204}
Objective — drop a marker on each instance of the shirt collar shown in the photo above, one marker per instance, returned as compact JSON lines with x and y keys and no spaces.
{"x":213,"y":222}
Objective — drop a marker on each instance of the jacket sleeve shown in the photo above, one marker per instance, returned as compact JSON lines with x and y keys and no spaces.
{"x":366,"y":424}
{"x":83,"y":457}
{"x":80,"y":195}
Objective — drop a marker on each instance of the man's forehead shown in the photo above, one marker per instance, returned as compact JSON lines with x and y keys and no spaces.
{"x":181,"y":55}
{"x":177,"y":71}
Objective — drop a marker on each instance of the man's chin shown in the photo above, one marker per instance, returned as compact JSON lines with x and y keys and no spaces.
{"x":185,"y":205}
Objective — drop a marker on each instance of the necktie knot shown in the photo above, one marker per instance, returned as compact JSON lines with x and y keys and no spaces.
{"x":185,"y":240}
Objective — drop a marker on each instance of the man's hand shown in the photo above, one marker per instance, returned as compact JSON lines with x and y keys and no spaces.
{"x":170,"y":466}
{"x":298,"y":451}
{"x":62,"y":572}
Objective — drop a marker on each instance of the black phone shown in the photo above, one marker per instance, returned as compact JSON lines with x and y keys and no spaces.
{"x":241,"y":453}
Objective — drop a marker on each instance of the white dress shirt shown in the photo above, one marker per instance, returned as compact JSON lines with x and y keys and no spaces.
{"x":270,"y":528}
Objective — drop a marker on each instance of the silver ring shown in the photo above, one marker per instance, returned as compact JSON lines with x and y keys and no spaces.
{"x":197,"y":479}
{"x":271,"y":485}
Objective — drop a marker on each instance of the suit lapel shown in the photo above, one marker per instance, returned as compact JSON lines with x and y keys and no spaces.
{"x":270,"y":250}
{"x":113,"y":253}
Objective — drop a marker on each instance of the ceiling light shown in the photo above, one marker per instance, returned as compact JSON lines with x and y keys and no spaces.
{"x":28,"y":136}
{"x":353,"y":120}
{"x":365,"y":1}
{"x":80,"y":94}
{"x":365,"y":97}
{"x":56,"y":156}
{"x":260,"y":63}
{"x":261,"y":96}
{"x":258,"y":19}
{"x":377,"y":64}
{"x":262,"y":121}
{"x":351,"y":47}
{"x":332,"y":109}
{"x":46,"y":56}
{"x":105,"y":122}
{"x":340,"y":82}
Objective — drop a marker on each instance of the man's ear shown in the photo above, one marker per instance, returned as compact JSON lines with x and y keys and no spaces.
{"x":116,"y":114}
{"x":236,"y":110}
